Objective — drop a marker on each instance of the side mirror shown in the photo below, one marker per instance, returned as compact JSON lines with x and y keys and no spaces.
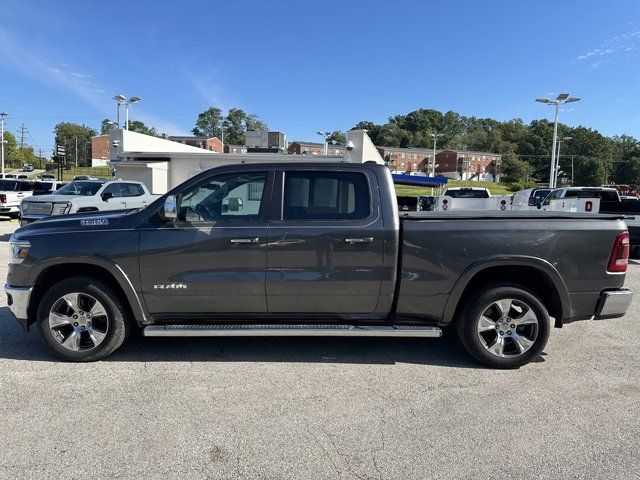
{"x":170,"y":208}
{"x":106,"y":196}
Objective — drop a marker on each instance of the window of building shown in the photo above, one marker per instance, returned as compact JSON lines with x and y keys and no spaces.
{"x":325,"y":196}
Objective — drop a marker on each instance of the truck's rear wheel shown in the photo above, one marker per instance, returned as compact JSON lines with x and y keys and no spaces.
{"x":504,"y":327}
{"x":82,"y":319}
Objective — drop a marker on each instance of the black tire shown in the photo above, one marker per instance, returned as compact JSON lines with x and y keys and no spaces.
{"x":118,"y":325}
{"x":476,"y":343}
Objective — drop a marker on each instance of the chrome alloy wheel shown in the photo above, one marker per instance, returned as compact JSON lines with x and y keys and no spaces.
{"x":78,"y":321}
{"x":508,"y":328}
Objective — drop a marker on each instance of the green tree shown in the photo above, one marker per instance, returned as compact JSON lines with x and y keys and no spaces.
{"x":140,"y":127}
{"x":515,"y":169}
{"x":106,"y":126}
{"x":337,"y":137}
{"x":590,"y":172}
{"x":66,"y":133}
{"x":208,"y":123}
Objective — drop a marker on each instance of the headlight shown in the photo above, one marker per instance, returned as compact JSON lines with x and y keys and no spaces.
{"x":19,"y":250}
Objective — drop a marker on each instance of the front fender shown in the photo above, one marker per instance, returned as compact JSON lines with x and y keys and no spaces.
{"x":106,"y":264}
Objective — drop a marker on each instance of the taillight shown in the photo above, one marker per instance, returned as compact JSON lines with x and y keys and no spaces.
{"x":3,"y":198}
{"x":619,"y":258}
{"x":444,"y":204}
{"x":588,"y":206}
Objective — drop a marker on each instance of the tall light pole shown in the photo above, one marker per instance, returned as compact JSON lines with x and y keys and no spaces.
{"x":120,"y":99}
{"x":2,"y":115}
{"x":126,"y":109}
{"x":560,"y":99}
{"x":324,"y":136}
{"x":563,"y":139}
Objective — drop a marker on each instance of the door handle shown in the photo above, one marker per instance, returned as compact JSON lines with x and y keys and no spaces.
{"x":245,"y":240}
{"x":359,"y":240}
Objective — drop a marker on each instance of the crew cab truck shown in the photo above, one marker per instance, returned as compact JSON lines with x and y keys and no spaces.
{"x":313,"y":249}
{"x":11,"y":194}
{"x":86,"y":196}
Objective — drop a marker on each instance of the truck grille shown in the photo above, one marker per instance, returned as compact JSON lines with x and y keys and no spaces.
{"x":36,"y":208}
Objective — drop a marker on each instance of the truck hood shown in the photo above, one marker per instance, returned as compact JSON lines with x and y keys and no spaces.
{"x":55,"y":198}
{"x":109,"y":220}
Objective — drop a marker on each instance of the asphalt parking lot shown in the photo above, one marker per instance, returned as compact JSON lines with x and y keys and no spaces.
{"x":321,"y":408}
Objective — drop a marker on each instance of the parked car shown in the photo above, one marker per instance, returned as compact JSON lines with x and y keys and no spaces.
{"x":313,"y":249}
{"x":86,"y":196}
{"x":27,"y":167}
{"x":46,"y":176}
{"x":84,"y":177}
{"x":45,"y":187}
{"x":12,"y":191}
{"x":529,"y":198}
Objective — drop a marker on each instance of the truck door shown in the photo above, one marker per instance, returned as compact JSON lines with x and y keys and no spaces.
{"x":326,"y":242}
{"x":212,"y":259}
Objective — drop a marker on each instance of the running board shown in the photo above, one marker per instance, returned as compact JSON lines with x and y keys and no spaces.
{"x":290,"y":331}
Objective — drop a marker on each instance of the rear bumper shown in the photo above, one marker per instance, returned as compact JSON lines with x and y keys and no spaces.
{"x":613,"y":303}
{"x":18,"y":301}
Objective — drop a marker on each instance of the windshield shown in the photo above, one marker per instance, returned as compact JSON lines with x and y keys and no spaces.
{"x":38,"y":186}
{"x":80,"y":188}
{"x":8,"y":186}
{"x":467,"y":193}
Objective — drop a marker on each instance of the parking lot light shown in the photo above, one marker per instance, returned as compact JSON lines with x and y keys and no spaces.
{"x":560,"y":99}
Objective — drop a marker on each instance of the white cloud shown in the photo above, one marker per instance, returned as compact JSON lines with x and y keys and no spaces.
{"x":21,"y":58}
{"x":624,"y":43}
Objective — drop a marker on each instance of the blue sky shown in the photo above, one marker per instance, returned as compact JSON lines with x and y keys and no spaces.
{"x":304,"y":66}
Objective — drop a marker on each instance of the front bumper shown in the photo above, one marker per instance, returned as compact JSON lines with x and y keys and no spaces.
{"x":613,"y":303}
{"x":18,"y":301}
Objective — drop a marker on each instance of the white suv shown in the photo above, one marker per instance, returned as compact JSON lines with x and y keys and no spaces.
{"x":86,"y":196}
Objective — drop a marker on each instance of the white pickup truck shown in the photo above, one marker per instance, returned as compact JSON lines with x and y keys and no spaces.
{"x":471,"y":199}
{"x":87,"y":196}
{"x":11,"y":194}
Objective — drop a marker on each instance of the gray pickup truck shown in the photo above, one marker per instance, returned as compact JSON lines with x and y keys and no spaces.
{"x":315,"y":249}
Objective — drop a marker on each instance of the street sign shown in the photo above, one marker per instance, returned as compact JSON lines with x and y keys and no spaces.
{"x":61,"y":150}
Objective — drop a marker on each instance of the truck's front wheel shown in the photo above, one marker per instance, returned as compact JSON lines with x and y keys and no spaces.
{"x":82,"y":319}
{"x":504,"y":327}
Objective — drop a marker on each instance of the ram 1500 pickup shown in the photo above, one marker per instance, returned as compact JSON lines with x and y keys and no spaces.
{"x":313,"y":249}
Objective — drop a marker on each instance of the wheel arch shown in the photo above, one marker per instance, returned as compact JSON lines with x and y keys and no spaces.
{"x":534,"y":274}
{"x":110,"y":273}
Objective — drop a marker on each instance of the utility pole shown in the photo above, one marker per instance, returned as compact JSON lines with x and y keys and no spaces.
{"x":76,"y":151}
{"x":22,"y":130}
{"x":39,"y":158}
{"x":572,"y":170}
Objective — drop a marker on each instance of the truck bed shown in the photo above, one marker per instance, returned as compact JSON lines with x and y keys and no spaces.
{"x":437,"y":255}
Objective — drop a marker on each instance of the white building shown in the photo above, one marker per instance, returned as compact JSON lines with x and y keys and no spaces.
{"x":162,"y":164}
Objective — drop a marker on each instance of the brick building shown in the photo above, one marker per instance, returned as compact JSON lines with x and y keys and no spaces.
{"x":212,"y":144}
{"x":407,"y":159}
{"x":305,"y":148}
{"x":465,"y":165}
{"x":236,"y":149}
{"x":99,"y":150}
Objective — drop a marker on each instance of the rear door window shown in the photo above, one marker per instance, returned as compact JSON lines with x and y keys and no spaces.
{"x":317,"y":195}
{"x":132,"y":190}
